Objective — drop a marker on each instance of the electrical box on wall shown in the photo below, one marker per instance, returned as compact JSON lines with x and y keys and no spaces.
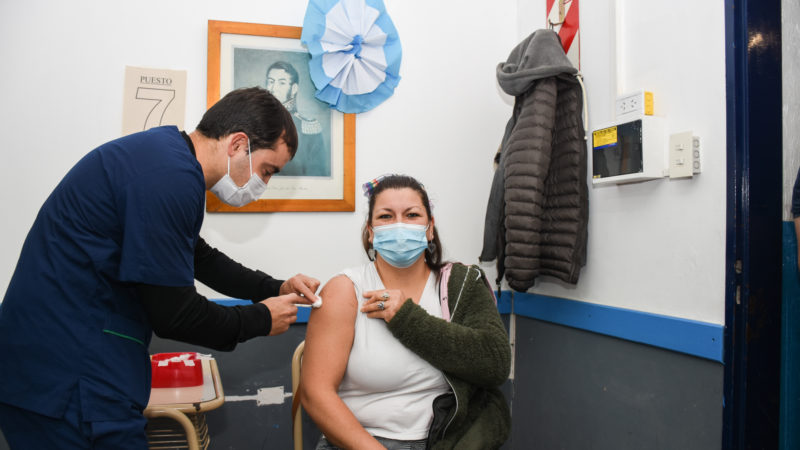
{"x":630,"y":149}
{"x":684,"y":155}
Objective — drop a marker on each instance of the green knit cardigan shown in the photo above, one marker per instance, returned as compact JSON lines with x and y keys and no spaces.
{"x":474,"y":353}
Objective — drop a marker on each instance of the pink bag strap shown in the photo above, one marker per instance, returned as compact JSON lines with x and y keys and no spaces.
{"x":444,"y":277}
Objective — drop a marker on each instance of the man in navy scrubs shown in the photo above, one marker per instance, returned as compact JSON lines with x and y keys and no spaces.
{"x":112,"y":257}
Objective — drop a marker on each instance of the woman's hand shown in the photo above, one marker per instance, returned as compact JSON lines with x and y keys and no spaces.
{"x":383,"y":304}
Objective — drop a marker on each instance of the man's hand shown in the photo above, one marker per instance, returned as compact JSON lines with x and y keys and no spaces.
{"x":299,"y":289}
{"x":303,"y":286}
{"x":283,"y":310}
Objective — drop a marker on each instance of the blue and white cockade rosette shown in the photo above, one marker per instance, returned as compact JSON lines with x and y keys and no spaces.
{"x":355,"y":53}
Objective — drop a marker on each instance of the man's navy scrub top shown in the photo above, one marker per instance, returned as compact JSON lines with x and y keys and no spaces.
{"x":128,"y":212}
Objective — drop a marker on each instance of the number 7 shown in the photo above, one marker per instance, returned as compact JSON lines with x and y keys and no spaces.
{"x":162,"y":97}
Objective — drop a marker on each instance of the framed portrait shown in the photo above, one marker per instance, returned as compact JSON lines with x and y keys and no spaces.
{"x":321,"y":176}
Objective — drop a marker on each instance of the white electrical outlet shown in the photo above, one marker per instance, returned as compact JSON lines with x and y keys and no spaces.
{"x":628,"y":104}
{"x":634,"y":104}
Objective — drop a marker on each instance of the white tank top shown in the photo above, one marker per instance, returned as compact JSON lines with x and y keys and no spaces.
{"x":388,"y":387}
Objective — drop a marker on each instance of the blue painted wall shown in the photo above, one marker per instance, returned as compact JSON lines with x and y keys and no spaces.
{"x":790,"y":343}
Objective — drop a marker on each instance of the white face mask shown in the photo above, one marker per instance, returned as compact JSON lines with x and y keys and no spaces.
{"x":227,"y":190}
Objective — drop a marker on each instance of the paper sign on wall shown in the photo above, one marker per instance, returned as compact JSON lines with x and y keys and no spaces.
{"x":152,"y":98}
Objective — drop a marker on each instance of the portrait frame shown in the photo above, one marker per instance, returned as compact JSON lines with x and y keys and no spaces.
{"x":335,"y":192}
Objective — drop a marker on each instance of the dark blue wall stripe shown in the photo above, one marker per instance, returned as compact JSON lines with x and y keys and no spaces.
{"x":672,"y":333}
{"x":504,"y":302}
{"x":302,"y":312}
{"x":680,"y":335}
{"x":230,"y":301}
{"x":503,"y":305}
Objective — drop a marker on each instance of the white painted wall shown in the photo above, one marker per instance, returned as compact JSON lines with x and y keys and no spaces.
{"x":790,"y":43}
{"x":61,"y":88}
{"x":657,"y":246}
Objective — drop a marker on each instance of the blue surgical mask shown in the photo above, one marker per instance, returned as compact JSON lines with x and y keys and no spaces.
{"x":400,"y":244}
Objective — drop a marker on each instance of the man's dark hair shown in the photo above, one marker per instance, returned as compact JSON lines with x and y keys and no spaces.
{"x":254,"y":112}
{"x":433,"y":254}
{"x":288,"y":68}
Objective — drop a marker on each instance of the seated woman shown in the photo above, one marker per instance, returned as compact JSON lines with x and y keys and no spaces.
{"x":393,"y":361}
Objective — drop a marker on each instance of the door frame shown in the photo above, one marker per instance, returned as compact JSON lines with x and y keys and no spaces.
{"x":751,"y":408}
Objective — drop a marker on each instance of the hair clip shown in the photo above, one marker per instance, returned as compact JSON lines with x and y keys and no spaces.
{"x":369,"y":186}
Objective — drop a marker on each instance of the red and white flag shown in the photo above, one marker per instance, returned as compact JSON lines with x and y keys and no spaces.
{"x":563,"y":17}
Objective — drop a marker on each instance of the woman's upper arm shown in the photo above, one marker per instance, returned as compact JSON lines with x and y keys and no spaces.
{"x":329,"y":336}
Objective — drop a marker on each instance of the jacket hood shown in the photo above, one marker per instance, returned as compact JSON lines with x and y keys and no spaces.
{"x":540,"y":55}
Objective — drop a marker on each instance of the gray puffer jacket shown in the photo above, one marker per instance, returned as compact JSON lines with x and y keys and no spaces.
{"x":536,"y":221}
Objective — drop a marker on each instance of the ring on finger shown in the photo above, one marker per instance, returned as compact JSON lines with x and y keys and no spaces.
{"x":385,"y":295}
{"x":381,"y":306}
